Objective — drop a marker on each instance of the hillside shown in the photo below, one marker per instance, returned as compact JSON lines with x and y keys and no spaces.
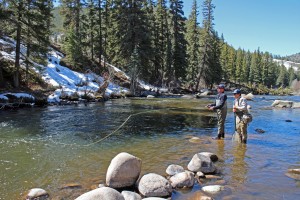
{"x":294,"y":58}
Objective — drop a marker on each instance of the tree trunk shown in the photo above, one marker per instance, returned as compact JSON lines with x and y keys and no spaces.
{"x":18,"y":47}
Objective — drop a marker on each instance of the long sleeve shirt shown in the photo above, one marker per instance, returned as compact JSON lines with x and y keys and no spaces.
{"x":241,"y":105}
{"x":220,"y":101}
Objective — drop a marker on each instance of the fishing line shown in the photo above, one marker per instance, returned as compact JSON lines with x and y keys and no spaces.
{"x":100,"y":140}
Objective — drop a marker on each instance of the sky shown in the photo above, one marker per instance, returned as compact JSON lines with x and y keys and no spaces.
{"x":270,"y":25}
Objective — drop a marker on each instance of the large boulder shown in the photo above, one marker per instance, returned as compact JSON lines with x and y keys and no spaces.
{"x":183,"y":179}
{"x":102,"y":193}
{"x":201,"y":163}
{"x":154,"y":185}
{"x":123,"y":171}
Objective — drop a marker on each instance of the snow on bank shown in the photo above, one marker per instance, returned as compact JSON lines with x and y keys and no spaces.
{"x":67,"y":81}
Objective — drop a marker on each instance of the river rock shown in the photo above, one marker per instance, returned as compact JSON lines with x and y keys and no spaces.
{"x":102,"y":193}
{"x":195,"y":140}
{"x":212,"y":156}
{"x":199,"y":195}
{"x":37,"y":193}
{"x":174,"y":169}
{"x":201,"y":163}
{"x":296,"y":105}
{"x":154,"y":185}
{"x":183,"y":179}
{"x":128,"y":195}
{"x":123,"y":171}
{"x":293,"y":173}
{"x":213,"y":189}
{"x":249,"y":96}
{"x":282,"y":104}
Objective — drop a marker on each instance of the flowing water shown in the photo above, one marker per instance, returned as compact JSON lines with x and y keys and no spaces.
{"x":63,"y":149}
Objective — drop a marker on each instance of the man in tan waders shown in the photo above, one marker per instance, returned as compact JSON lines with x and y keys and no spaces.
{"x":220,"y":106}
{"x":240,"y":108}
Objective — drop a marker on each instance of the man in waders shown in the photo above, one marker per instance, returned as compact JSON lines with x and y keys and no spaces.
{"x":220,"y":106}
{"x":240,"y":108}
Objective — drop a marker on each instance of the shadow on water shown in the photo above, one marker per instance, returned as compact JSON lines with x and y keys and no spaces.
{"x":54,"y":146}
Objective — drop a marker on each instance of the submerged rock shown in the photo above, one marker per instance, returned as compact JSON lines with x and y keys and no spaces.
{"x":213,"y":189}
{"x":37,"y":193}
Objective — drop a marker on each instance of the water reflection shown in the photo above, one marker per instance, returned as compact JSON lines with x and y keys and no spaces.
{"x":239,"y":168}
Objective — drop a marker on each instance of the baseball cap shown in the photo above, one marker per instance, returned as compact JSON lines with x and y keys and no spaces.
{"x":221,"y":86}
{"x":237,"y":91}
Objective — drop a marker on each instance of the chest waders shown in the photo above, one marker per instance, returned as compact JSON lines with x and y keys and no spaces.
{"x":241,"y":125}
{"x":221,"y":116}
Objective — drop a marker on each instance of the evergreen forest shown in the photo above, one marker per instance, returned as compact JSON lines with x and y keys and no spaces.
{"x":150,"y":40}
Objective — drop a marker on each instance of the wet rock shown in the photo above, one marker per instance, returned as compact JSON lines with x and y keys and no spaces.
{"x":71,"y":186}
{"x":154,"y":185}
{"x":195,"y":140}
{"x":37,"y":193}
{"x":183,"y":179}
{"x":293,"y":173}
{"x":102,"y":193}
{"x":212,"y":177}
{"x":212,"y":156}
{"x":248,"y":96}
{"x":258,"y":130}
{"x":213,"y":189}
{"x":128,"y":195}
{"x":123,"y":171}
{"x":200,"y":196}
{"x":288,"y":120}
{"x":200,"y":174}
{"x":174,"y":169}
{"x":201,"y":163}
{"x":282,"y":104}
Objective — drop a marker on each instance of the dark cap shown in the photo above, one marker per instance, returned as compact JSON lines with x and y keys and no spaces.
{"x":221,"y":86}
{"x":237,"y":91}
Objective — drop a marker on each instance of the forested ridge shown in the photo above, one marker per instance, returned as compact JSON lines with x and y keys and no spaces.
{"x":150,"y":40}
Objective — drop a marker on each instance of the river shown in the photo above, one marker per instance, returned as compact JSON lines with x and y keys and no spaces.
{"x":61,"y":146}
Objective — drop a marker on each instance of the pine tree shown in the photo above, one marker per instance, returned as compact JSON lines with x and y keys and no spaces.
{"x":239,"y":65}
{"x":71,"y":10}
{"x":160,"y":40}
{"x":28,"y":22}
{"x":193,"y":43}
{"x":206,"y":43}
{"x":178,"y":65}
{"x":283,"y":79}
{"x":131,"y":32}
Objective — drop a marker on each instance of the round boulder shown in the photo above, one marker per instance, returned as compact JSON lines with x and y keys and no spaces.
{"x":123,"y":171}
{"x":154,"y":185}
{"x":183,"y":179}
{"x":102,"y":193}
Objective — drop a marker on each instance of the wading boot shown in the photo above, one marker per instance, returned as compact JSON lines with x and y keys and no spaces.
{"x":223,"y":135}
{"x":218,"y":137}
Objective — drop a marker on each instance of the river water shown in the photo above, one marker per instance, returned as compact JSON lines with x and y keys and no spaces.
{"x":63,"y":149}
